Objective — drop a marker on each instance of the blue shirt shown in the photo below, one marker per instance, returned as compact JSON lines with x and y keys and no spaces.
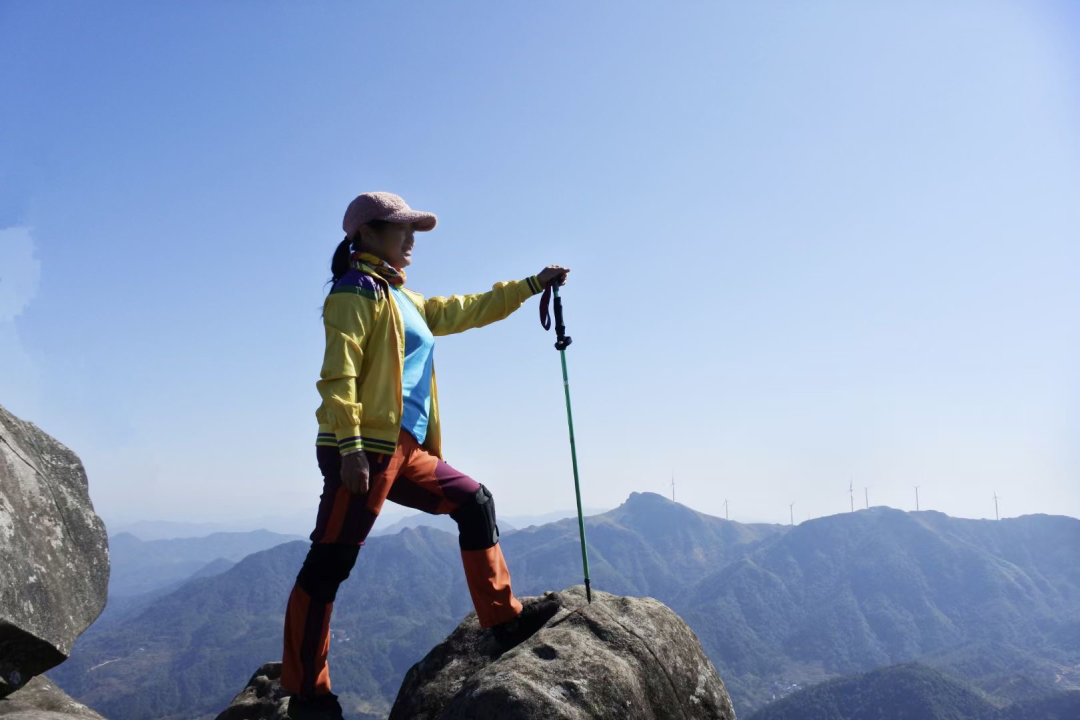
{"x":416,"y":372}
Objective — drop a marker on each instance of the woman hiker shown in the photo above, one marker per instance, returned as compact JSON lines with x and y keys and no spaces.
{"x":379,"y":436}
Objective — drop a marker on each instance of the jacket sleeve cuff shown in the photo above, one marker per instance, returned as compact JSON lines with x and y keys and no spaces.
{"x":349,"y":440}
{"x":533,"y":283}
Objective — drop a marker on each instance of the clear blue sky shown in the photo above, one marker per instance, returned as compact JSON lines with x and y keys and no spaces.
{"x":811,"y":243}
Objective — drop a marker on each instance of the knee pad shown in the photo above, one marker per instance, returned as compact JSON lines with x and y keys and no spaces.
{"x":476,"y":522}
{"x":326,"y":566}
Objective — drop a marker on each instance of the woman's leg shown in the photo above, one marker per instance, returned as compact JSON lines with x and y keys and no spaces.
{"x":343,"y":523}
{"x":427,"y":483}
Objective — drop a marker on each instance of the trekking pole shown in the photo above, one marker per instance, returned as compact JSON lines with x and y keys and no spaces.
{"x":562,"y":341}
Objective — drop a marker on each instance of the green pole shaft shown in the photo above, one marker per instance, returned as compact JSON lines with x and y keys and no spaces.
{"x":577,"y":481}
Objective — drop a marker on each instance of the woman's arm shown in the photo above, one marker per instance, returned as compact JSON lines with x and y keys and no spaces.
{"x":457,"y":313}
{"x":346,"y":318}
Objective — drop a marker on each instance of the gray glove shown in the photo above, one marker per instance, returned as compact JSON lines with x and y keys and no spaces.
{"x":355,"y":472}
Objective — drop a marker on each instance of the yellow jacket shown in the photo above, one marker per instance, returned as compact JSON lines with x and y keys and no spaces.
{"x":365,"y":351}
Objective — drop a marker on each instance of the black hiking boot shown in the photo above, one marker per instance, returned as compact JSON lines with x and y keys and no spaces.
{"x":318,"y":707}
{"x":532,"y":617}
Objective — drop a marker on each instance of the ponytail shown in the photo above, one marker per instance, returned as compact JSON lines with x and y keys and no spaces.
{"x":339,"y":264}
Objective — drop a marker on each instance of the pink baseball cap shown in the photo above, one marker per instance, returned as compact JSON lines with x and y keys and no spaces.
{"x":383,"y":206}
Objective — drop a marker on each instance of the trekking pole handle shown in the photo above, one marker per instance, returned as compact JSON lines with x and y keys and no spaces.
{"x":562,"y":340}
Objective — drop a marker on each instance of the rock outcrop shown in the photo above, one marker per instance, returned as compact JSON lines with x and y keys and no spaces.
{"x":261,"y":699}
{"x":620,"y":657}
{"x":54,"y":553}
{"x":40,"y":699}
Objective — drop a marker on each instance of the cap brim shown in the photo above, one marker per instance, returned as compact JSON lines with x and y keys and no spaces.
{"x":421,"y":221}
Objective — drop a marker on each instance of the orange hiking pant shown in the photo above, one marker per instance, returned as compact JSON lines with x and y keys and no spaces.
{"x":412,"y":477}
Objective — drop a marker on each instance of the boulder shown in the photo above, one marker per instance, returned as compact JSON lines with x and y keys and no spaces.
{"x":40,"y":699}
{"x":54,"y":553}
{"x":619,"y":657}
{"x":261,"y":699}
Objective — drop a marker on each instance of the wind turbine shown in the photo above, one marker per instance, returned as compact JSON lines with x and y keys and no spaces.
{"x":851,"y":492}
{"x":916,"y":498}
{"x":672,"y":487}
{"x":866,"y":495}
{"x":791,"y":507}
{"x":725,"y":510}
{"x":996,"y":516}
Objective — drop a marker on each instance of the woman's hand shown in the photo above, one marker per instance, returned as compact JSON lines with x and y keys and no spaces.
{"x":355,"y":472}
{"x":551,"y":273}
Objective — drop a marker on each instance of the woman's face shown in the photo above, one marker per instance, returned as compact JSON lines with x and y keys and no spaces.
{"x":393,"y":243}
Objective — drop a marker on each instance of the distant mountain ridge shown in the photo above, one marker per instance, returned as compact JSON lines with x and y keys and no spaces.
{"x":302,"y":522}
{"x":772,"y":605}
{"x":299,"y":522}
{"x":911,"y":691}
{"x":855,"y":591}
{"x":507,"y":523}
{"x":646,"y":546}
{"x":142,"y":566}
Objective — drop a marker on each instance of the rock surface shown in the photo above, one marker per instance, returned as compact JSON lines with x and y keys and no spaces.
{"x":620,"y":657}
{"x":40,"y":699}
{"x":261,"y":699}
{"x":54,"y":553}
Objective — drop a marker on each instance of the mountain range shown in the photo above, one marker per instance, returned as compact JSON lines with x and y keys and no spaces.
{"x":912,"y":691}
{"x":301,"y":522}
{"x":855,"y":591}
{"x":995,"y":604}
{"x":141,"y":566}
